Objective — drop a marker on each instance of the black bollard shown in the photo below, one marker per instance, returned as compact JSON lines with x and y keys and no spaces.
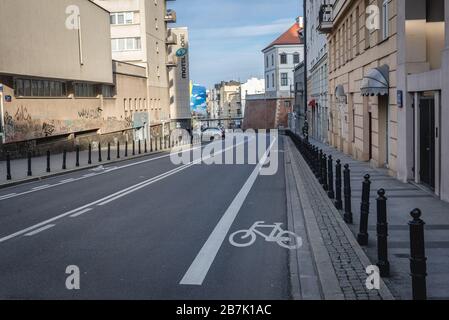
{"x":145,"y":146}
{"x":29,"y":172}
{"x":64,"y":160}
{"x":325,"y":186}
{"x":330,"y":175}
{"x":109,"y":151}
{"x":48,"y":161}
{"x":118,"y":149}
{"x":418,"y":267}
{"x":8,"y":167}
{"x":77,"y":164}
{"x":155,"y":144}
{"x":338,"y":201}
{"x":161,"y":147}
{"x":362,"y":237}
{"x":126,"y":149}
{"x":90,"y":154}
{"x":134,"y":147}
{"x":151,"y":145}
{"x":347,"y":194}
{"x":382,"y":235}
{"x":100,"y":156}
{"x":140,"y":147}
{"x":320,"y":166}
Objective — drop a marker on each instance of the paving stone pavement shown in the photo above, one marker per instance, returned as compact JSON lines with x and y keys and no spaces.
{"x":344,"y":252}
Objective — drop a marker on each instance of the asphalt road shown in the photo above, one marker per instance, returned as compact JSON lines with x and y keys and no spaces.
{"x":145,"y":229}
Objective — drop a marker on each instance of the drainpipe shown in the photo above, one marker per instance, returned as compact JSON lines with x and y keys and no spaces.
{"x":2,"y":119}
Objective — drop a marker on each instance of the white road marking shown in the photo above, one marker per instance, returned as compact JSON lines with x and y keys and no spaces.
{"x":134,"y":188}
{"x":67,"y":180}
{"x":80,"y":213}
{"x":90,"y":175}
{"x":202,"y":263}
{"x":13,"y":195}
{"x":8,"y":196}
{"x":39,"y":230}
{"x":41,"y":187}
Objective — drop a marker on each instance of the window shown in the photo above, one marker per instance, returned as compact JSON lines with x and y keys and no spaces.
{"x":385,"y":20}
{"x":284,"y":79}
{"x":39,"y":88}
{"x":283,"y":58}
{"x":266,"y":62}
{"x":118,"y":18}
{"x":272,"y":59}
{"x":107,"y":91}
{"x":268,"y":81}
{"x":273,"y":83}
{"x":84,"y":90}
{"x":126,"y":44}
{"x":296,"y":58}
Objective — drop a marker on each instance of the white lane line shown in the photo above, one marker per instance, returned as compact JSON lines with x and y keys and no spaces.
{"x":67,"y":180}
{"x":7,"y":196}
{"x":71,"y":212}
{"x":202,"y":263}
{"x":40,"y":230}
{"x":105,"y":172}
{"x":90,"y":175}
{"x":80,"y":213}
{"x":41,"y":187}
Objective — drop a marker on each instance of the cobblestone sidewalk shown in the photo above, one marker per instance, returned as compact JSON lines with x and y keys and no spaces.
{"x":346,"y":258}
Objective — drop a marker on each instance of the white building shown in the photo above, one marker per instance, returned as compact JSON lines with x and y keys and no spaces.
{"x":280,"y":59}
{"x":251,"y":86}
{"x":317,"y":74}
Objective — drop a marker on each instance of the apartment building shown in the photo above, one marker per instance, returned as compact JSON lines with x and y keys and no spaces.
{"x":362,"y":54}
{"x":230,"y":104}
{"x":139,"y":36}
{"x":317,"y":74}
{"x":58,"y":84}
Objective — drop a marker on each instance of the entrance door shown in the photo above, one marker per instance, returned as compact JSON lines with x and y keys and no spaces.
{"x":427,"y":141}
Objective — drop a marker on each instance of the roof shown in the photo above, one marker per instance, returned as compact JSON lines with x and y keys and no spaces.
{"x":289,"y":37}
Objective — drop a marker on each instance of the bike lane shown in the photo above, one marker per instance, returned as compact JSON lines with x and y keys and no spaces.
{"x":258,"y":271}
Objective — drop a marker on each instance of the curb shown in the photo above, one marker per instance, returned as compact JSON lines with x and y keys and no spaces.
{"x":61,"y":173}
{"x":322,"y":260}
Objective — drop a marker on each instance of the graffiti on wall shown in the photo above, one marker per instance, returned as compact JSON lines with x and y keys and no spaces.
{"x":90,"y":113}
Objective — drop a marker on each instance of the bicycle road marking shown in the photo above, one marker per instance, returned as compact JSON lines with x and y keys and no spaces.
{"x":199,"y":268}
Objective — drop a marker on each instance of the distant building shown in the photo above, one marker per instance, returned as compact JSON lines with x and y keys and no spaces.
{"x":271,"y":109}
{"x":251,"y":86}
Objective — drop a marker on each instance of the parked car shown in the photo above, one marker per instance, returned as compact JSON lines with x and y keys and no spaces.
{"x":212,"y":134}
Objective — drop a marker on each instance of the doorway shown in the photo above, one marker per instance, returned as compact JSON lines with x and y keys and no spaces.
{"x":427,"y":140}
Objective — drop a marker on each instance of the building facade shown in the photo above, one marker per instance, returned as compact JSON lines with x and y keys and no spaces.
{"x":317,"y":74}
{"x":423,"y":93}
{"x":298,"y":117}
{"x":139,"y":35}
{"x":63,"y":90}
{"x":362,"y":55}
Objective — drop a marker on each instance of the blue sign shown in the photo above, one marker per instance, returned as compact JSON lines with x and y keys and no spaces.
{"x":198,"y":100}
{"x":181,"y":52}
{"x":8,"y":98}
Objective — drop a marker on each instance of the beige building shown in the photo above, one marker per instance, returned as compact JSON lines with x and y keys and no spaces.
{"x":139,"y":35}
{"x":58,"y":84}
{"x":362,"y":55}
{"x":230,"y":104}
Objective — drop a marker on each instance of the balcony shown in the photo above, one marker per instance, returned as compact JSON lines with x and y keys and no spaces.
{"x":171,"y":64}
{"x":325,"y":19}
{"x":170,"y":17}
{"x":171,"y":39}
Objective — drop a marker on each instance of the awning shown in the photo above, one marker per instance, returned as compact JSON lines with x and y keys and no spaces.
{"x":312,"y":103}
{"x":376,"y":82}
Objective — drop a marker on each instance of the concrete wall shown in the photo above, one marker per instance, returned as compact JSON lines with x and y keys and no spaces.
{"x":36,"y":41}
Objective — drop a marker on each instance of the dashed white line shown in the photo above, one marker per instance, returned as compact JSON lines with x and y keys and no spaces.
{"x":7,"y":196}
{"x":67,"y":180}
{"x":80,"y":213}
{"x":41,"y":187}
{"x":39,"y":230}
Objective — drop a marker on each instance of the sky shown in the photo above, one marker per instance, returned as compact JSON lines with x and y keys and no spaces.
{"x":227,"y":36}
